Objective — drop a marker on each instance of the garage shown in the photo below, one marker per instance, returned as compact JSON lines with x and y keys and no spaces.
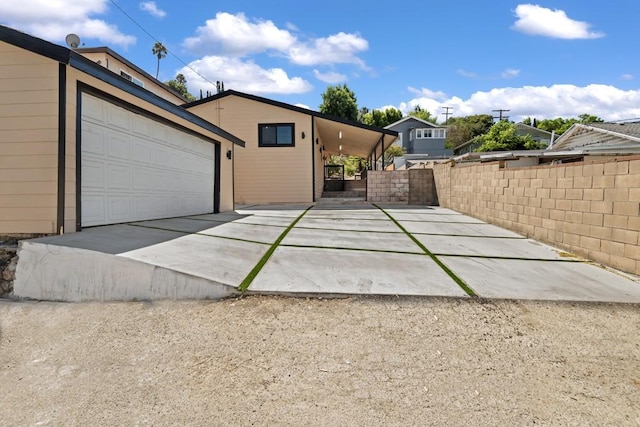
{"x":135,"y":167}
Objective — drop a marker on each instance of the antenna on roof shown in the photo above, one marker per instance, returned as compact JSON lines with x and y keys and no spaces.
{"x":73,"y":41}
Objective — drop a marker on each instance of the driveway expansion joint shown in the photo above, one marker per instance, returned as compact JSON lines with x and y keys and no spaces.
{"x":244,"y":285}
{"x":465,"y":287}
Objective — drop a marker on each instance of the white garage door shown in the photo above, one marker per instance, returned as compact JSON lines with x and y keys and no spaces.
{"x":135,"y":168}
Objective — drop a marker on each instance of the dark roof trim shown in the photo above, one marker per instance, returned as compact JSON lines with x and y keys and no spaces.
{"x":34,"y":44}
{"x":290,"y":107}
{"x":67,"y":56}
{"x":89,"y":67}
{"x":120,"y":58}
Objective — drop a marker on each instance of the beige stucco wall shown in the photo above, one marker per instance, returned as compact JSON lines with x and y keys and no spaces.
{"x":264,"y":174}
{"x":591,"y":209}
{"x":28,"y":142}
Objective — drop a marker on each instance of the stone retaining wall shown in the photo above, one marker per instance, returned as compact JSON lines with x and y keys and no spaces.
{"x":8,"y":263}
{"x":591,"y":209}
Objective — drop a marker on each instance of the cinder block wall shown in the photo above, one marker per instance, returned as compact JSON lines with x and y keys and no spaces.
{"x":414,"y":187}
{"x":590,"y":209}
{"x":388,"y":186}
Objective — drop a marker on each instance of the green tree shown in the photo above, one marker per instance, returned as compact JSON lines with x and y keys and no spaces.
{"x":464,"y":129}
{"x":361,"y":113}
{"x":382,"y":118}
{"x":503,"y":137}
{"x":392,"y":152}
{"x":425,"y":115}
{"x":340,"y":101}
{"x":560,"y":125}
{"x":352,"y":164}
{"x":179,"y":84}
{"x":160,"y":52}
{"x":588,"y":118}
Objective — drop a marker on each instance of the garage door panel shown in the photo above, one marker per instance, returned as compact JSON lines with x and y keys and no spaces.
{"x":135,"y":168}
{"x":119,"y":177}
{"x":118,"y":117}
{"x":119,"y":146}
{"x":93,"y":174}
{"x":119,"y":208}
{"x":94,"y":209}
{"x":93,"y":137}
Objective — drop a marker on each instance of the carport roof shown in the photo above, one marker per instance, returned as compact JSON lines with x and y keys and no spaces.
{"x":338,"y":135}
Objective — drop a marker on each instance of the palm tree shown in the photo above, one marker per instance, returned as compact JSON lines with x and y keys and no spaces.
{"x":160,"y":51}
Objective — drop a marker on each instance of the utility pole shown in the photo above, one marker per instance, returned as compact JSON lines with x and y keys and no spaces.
{"x":500,"y":117}
{"x":446,"y":114}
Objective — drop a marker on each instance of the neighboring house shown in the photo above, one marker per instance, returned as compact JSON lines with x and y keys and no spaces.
{"x":419,"y":136}
{"x":82,"y":146}
{"x":538,"y":135}
{"x":286,"y":146}
{"x":623,"y":137}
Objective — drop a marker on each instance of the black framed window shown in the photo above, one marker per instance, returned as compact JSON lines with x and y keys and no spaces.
{"x":276,"y":135}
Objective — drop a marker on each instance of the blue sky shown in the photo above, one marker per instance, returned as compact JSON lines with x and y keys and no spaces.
{"x":543,"y":59}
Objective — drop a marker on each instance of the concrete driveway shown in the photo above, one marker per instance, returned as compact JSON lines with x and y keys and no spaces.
{"x":311,"y":250}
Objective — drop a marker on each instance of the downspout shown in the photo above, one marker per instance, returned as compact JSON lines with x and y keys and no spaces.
{"x":313,"y":160}
{"x":382,"y":152}
{"x":62,"y":144}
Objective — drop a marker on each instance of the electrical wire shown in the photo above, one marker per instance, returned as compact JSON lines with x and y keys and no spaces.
{"x":158,"y":41}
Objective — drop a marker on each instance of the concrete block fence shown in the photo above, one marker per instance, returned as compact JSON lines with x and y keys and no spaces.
{"x":591,"y":209}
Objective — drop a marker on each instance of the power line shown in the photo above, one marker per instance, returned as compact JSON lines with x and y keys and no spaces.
{"x":158,"y":41}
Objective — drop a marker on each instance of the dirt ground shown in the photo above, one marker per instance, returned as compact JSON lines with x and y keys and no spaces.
{"x":285,"y":361}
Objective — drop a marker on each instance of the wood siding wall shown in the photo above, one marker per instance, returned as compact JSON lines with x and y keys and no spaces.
{"x":28,"y":142}
{"x":264,"y":174}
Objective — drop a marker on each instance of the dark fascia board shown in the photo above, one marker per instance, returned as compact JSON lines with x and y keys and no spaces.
{"x":89,"y":67}
{"x":34,"y":44}
{"x":290,"y":107}
{"x":108,"y":51}
{"x":67,"y":56}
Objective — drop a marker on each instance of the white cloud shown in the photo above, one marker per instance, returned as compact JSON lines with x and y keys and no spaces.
{"x":152,"y":8}
{"x":541,"y":102}
{"x":341,"y":48}
{"x":239,"y":36}
{"x":427,"y":93}
{"x":465,"y":73}
{"x":540,"y":21}
{"x":510,"y":73}
{"x":627,"y":77}
{"x":330,"y":77}
{"x":54,"y":19}
{"x":236,"y":35}
{"x":244,"y":76}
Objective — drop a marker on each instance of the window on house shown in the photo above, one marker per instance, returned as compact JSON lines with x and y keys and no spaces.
{"x":276,"y":135}
{"x":131,"y":78}
{"x":428,"y":133}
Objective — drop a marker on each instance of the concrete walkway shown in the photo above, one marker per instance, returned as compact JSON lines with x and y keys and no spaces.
{"x":311,"y":250}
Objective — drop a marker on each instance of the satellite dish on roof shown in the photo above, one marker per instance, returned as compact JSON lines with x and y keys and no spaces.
{"x":73,"y":41}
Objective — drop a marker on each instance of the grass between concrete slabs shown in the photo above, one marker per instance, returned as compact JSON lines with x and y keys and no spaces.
{"x":435,"y":259}
{"x":244,"y":285}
